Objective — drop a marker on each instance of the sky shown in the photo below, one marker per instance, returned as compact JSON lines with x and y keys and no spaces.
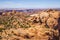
{"x":29,"y":3}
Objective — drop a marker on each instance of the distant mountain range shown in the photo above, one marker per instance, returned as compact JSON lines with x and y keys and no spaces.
{"x":25,"y":10}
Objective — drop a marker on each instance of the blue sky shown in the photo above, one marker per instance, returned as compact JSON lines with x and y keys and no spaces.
{"x":29,"y":3}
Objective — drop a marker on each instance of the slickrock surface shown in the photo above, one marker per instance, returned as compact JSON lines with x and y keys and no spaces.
{"x":20,"y":26}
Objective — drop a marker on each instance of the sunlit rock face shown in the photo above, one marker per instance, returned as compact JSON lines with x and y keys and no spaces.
{"x":42,"y":25}
{"x":51,"y":22}
{"x":55,"y":14}
{"x":44,"y":16}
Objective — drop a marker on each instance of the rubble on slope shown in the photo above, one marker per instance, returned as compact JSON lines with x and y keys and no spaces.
{"x":20,"y":26}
